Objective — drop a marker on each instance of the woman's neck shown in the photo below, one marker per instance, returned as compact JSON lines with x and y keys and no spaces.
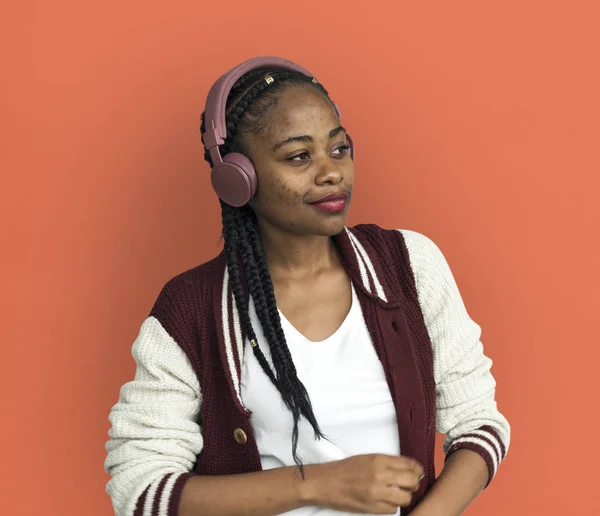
{"x":292,"y":256}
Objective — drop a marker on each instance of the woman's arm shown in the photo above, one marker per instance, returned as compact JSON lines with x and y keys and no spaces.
{"x":264,"y":493}
{"x":155,"y":440}
{"x":465,"y":388}
{"x":464,"y":475}
{"x":154,"y":434}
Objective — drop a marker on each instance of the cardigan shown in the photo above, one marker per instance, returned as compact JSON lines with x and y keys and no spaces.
{"x":183,"y":415}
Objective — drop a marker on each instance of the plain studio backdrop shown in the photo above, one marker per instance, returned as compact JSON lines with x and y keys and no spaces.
{"x":476,"y":123}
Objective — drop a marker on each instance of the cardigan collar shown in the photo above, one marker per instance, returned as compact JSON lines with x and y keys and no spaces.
{"x":363,"y":265}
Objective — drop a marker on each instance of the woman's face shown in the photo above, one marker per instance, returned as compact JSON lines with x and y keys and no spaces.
{"x":300,"y":159}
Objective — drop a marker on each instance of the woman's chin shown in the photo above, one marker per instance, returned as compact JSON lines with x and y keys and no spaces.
{"x":332,"y":226}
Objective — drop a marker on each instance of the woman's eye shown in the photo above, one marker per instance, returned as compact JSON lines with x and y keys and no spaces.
{"x":299,"y":157}
{"x":304,"y":155}
{"x":342,"y":149}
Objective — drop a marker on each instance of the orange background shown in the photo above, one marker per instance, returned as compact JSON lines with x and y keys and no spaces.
{"x":476,"y":124}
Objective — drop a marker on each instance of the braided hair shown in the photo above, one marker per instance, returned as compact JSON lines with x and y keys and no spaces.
{"x":250,"y":99}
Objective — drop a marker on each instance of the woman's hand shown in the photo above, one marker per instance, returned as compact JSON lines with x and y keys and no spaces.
{"x":376,"y":484}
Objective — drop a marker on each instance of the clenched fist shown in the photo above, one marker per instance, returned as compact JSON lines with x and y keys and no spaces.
{"x":368,"y":484}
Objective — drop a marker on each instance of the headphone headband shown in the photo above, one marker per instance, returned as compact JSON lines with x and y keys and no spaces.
{"x":214,"y":113}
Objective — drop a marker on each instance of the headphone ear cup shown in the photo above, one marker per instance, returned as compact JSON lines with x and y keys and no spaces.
{"x":234,"y":180}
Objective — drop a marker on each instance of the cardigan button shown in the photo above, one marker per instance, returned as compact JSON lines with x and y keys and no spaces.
{"x":240,"y":436}
{"x":395,"y":326}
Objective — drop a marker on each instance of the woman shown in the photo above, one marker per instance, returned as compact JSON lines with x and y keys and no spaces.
{"x":307,"y":367}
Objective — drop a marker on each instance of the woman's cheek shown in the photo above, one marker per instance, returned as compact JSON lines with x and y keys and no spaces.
{"x":285,"y":194}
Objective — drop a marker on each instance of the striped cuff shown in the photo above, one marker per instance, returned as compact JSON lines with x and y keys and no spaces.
{"x":487,"y":443}
{"x":162,"y":497}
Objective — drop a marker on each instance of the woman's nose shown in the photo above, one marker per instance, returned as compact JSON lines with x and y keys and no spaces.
{"x":329,"y":172}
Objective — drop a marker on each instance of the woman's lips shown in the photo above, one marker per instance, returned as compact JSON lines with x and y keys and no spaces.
{"x":331,"y":206}
{"x":332,"y":203}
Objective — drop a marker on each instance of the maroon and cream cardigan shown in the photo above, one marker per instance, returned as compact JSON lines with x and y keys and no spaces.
{"x":205,"y":429}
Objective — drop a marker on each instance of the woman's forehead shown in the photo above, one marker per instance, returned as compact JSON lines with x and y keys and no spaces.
{"x":300,"y":110}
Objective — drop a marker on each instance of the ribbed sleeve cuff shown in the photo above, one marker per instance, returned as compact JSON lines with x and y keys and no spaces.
{"x":487,"y":443}
{"x":162,"y":497}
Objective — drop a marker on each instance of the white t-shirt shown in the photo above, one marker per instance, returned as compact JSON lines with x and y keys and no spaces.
{"x":348,"y":390}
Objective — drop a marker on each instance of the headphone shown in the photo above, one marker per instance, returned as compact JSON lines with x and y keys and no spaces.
{"x":233,"y":176}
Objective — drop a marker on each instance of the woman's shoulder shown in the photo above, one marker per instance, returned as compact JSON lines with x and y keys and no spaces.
{"x":411,"y":250}
{"x":188,"y":295}
{"x":195,"y":280}
{"x":420,"y":246}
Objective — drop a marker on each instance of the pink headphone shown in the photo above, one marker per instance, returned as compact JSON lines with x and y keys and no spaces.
{"x":233,"y":176}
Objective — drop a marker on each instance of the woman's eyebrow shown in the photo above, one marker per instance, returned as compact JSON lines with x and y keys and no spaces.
{"x":306,"y":138}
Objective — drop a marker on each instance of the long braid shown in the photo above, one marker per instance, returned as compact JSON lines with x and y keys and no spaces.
{"x":232,"y":237}
{"x":283,"y":352}
{"x":247,"y":104}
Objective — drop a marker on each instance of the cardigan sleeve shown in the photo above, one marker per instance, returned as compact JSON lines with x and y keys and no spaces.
{"x":467,"y":411}
{"x":154,"y":436}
